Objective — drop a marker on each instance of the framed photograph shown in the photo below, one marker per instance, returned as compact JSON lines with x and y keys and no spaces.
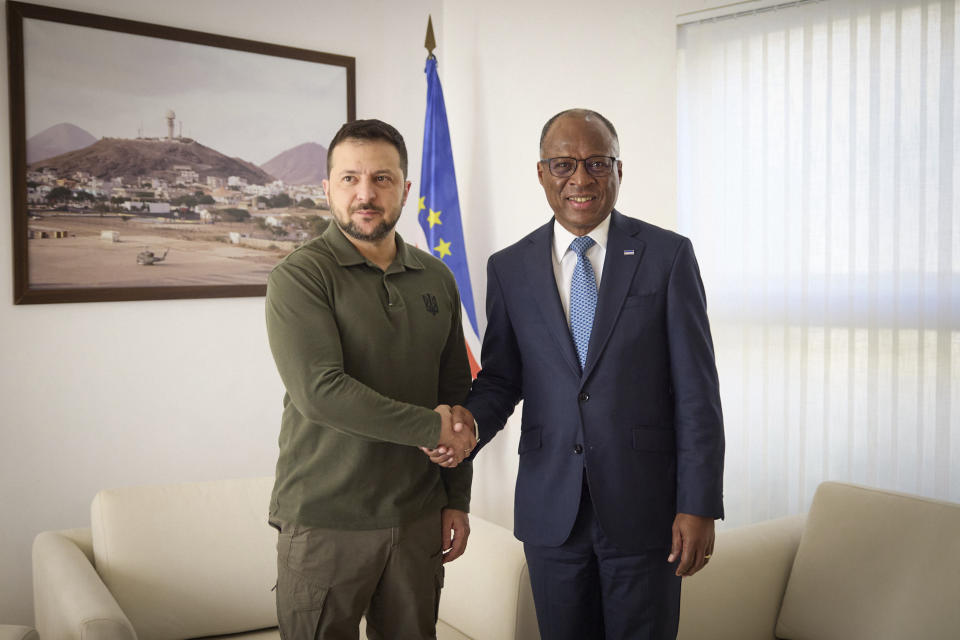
{"x":151,"y":162}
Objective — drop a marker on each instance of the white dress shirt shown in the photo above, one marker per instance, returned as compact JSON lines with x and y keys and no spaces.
{"x":564,"y":260}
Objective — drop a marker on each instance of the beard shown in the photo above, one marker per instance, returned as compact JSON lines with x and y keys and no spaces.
{"x":350,"y":228}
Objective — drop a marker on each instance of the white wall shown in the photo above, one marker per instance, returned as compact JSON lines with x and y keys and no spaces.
{"x":112,"y":394}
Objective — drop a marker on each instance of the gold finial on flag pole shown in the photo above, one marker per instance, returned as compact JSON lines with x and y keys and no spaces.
{"x":430,"y":43}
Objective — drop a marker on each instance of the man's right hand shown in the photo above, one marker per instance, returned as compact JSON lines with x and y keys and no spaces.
{"x":457,"y":437}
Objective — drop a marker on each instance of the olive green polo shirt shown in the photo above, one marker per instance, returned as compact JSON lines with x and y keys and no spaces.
{"x":365,"y":356}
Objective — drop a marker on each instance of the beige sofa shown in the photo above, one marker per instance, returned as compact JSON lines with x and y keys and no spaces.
{"x":196,"y":560}
{"x":863,"y":564}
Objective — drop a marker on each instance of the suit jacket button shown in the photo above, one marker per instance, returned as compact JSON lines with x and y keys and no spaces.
{"x":578,"y":448}
{"x":583,"y":397}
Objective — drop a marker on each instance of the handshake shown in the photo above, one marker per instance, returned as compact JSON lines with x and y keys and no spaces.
{"x":457,"y":436}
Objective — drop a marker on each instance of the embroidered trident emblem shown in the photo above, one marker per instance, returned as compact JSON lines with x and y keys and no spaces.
{"x":430,"y":302}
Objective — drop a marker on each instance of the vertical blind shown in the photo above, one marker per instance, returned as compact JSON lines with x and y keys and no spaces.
{"x":819,"y":174}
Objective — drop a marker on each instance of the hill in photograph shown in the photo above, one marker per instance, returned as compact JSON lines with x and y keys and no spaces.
{"x":303,"y":164}
{"x":110,"y":158}
{"x":58,"y":139}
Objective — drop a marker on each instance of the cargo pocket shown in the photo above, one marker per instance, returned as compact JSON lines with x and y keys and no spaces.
{"x":299,"y":605}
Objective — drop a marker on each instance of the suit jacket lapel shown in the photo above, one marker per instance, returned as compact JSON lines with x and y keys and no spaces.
{"x":624,"y":251}
{"x":539,"y":269}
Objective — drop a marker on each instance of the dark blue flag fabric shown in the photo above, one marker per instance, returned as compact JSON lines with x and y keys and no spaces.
{"x":439,"y":212}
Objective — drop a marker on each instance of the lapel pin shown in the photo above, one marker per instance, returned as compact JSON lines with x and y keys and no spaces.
{"x":628,"y":252}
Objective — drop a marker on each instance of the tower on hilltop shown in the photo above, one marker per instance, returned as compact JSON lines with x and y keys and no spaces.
{"x":171,"y":116}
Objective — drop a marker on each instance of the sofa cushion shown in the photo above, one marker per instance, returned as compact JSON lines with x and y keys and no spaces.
{"x":737,"y":596}
{"x":188,"y":560}
{"x":874,"y":565}
{"x":493,"y":571}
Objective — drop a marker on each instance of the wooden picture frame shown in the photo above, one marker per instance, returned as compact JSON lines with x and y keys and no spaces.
{"x":178,"y":216}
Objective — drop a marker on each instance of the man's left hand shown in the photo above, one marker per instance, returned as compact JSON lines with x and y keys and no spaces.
{"x":693,"y":538}
{"x":455,"y":531}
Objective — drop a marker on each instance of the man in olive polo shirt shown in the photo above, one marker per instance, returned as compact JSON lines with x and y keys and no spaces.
{"x":366,"y":334}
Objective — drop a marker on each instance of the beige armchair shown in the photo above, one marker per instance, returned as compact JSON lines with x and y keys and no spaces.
{"x":863,"y":564}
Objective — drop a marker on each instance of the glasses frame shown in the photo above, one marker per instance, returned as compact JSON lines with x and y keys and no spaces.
{"x":576,"y":166}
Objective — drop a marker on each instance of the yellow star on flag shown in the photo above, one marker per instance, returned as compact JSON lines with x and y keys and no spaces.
{"x":422,"y":206}
{"x":434,"y":218}
{"x":442,"y":249}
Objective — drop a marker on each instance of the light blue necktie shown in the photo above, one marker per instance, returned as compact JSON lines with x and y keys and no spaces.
{"x":583,"y":297}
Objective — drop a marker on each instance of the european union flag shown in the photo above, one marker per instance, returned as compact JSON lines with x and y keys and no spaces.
{"x":439,"y":213}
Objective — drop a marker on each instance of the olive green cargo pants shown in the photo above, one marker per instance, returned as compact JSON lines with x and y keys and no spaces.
{"x":328,"y":578}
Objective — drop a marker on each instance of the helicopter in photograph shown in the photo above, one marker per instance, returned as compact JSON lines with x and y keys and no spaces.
{"x":147,"y":257}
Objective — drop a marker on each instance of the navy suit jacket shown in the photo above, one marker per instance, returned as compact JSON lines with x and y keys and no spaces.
{"x":643,"y":418}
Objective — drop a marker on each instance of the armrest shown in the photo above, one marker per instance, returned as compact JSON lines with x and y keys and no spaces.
{"x":70,"y":600}
{"x":738,"y":595}
{"x":12,"y":632}
{"x":486,"y":591}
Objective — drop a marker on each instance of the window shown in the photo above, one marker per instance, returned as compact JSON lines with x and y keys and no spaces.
{"x":819,"y":176}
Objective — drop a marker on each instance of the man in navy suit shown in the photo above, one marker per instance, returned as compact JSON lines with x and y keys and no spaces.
{"x":598,"y":323}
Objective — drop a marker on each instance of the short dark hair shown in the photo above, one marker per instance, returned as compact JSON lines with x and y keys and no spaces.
{"x":579,"y":112}
{"x":369,"y":130}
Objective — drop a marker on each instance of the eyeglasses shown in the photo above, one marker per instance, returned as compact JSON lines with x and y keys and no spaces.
{"x":596,"y":166}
